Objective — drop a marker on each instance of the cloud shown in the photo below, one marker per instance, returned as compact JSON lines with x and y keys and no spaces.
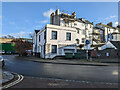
{"x":44,"y":21}
{"x":37,"y":27}
{"x":20,"y":34}
{"x":116,"y":23}
{"x":111,"y":17}
{"x":47,"y":13}
{"x":12,"y":23}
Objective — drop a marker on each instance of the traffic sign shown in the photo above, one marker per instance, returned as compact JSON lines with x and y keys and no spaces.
{"x":87,"y":41}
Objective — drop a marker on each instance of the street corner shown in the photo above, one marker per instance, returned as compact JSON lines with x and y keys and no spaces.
{"x":10,"y":79}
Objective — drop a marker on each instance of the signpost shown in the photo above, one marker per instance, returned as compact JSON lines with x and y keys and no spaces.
{"x":87,"y":42}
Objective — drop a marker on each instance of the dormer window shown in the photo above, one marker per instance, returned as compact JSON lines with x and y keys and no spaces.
{"x":75,"y":24}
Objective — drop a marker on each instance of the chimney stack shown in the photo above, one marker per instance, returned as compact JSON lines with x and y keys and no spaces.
{"x":110,"y":24}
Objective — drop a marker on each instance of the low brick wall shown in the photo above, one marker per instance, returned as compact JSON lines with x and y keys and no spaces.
{"x":112,"y":53}
{"x":108,"y":53}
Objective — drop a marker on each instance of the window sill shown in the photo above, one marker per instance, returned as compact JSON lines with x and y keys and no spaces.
{"x":54,"y":53}
{"x":67,"y":40}
{"x":53,"y":39}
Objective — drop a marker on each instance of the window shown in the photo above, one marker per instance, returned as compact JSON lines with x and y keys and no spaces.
{"x":109,"y":35}
{"x":78,"y":31}
{"x":83,"y":40}
{"x":45,"y":35}
{"x":83,"y":32}
{"x":54,"y":48}
{"x":90,"y":26}
{"x":39,"y":38}
{"x":54,"y":34}
{"x":112,"y":37}
{"x":77,"y":41}
{"x":68,"y":36}
{"x":75,"y":24}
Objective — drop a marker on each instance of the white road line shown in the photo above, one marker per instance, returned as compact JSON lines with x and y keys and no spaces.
{"x":20,"y":78}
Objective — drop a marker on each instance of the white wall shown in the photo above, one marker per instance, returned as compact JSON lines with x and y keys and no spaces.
{"x":107,"y":45}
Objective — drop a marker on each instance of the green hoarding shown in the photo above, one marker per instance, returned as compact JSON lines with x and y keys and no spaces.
{"x":7,"y":47}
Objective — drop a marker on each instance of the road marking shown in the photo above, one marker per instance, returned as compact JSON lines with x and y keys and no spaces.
{"x":115,"y":72}
{"x":20,"y":78}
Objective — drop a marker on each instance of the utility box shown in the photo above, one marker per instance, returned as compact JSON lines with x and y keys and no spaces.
{"x":77,"y":55}
{"x":68,"y":55}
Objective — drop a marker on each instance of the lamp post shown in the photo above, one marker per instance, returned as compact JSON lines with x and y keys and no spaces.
{"x":86,"y":42}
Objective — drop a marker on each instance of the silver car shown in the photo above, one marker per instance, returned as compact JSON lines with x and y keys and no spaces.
{"x":1,"y":61}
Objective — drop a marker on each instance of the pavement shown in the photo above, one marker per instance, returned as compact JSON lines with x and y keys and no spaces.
{"x":7,"y":76}
{"x":27,"y":67}
{"x":10,"y":79}
{"x":90,"y":62}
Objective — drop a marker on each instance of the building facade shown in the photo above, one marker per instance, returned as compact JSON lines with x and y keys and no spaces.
{"x":109,"y":32}
{"x":66,"y":34}
{"x":63,"y":35}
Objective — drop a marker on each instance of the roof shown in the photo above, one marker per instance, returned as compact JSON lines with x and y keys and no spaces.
{"x":86,"y":21}
{"x":116,"y":44}
{"x":36,"y":31}
{"x":97,"y":28}
{"x":77,"y":19}
{"x":115,"y":33}
{"x":99,"y":45}
{"x":107,"y":26}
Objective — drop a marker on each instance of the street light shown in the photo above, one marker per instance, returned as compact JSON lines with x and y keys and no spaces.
{"x":87,"y":42}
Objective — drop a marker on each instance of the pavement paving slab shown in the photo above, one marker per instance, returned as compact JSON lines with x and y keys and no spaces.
{"x":70,"y":62}
{"x":9,"y":77}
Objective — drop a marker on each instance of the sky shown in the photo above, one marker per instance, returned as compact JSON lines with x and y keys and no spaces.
{"x":22,"y":18}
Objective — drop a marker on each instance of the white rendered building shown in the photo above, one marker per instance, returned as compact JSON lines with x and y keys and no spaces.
{"x":63,"y":35}
{"x":110,"y":33}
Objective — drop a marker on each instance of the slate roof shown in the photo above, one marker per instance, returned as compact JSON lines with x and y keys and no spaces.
{"x":36,"y":31}
{"x":116,"y":44}
{"x":97,"y":28}
{"x":86,"y":21}
{"x":106,"y":26}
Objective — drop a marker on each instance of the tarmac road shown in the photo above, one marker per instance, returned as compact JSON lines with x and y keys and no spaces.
{"x":106,"y":74}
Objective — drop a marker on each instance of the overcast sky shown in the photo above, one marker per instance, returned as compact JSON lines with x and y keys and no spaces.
{"x":22,"y":18}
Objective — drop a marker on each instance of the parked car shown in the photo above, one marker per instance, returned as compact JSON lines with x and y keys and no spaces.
{"x":15,"y":52}
{"x":1,"y":61}
{"x":9,"y":52}
{"x":2,"y":52}
{"x":29,"y":52}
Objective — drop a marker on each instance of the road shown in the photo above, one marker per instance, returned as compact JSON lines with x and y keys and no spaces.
{"x":106,"y":74}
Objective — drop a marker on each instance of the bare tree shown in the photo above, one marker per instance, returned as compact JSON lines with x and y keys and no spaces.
{"x":21,"y":46}
{"x":31,"y":35}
